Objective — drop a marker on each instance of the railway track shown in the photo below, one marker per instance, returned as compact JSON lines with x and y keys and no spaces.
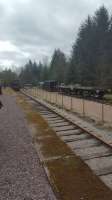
{"x":92,"y":150}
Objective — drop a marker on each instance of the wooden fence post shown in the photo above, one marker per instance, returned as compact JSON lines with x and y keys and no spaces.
{"x":37,"y":91}
{"x":102,"y":112}
{"x":56,"y":98}
{"x":62,"y":100}
{"x":50,"y":96}
{"x":71,"y":104}
{"x":83,"y":102}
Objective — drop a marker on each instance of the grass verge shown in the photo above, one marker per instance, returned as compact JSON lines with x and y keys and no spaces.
{"x":8,"y":91}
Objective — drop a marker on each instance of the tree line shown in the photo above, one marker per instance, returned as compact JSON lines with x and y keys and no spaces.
{"x":7,"y":76}
{"x":90,"y":62}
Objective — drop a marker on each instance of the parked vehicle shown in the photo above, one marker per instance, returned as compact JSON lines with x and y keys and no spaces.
{"x":50,"y":85}
{"x":78,"y":91}
{"x":15,"y":85}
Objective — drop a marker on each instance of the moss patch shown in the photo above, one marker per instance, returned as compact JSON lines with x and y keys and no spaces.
{"x":51,"y":145}
{"x":75,"y":181}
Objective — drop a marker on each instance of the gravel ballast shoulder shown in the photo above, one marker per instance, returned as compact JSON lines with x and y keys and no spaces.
{"x":21,"y":175}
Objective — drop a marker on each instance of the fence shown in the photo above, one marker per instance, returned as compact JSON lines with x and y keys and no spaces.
{"x":94,"y":110}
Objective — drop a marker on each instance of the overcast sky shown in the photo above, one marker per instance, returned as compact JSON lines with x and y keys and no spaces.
{"x":34,"y":28}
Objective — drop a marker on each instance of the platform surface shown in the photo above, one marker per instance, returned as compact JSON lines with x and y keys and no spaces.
{"x":21,"y":174}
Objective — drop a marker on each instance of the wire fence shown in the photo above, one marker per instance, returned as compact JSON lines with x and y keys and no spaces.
{"x":94,"y":110}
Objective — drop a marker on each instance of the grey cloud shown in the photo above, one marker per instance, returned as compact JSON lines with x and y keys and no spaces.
{"x":37,"y":27}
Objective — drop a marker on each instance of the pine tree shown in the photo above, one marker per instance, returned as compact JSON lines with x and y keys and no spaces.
{"x":58,"y":66}
{"x":90,"y":59}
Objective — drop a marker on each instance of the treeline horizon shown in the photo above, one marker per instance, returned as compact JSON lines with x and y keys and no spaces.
{"x":90,"y":62}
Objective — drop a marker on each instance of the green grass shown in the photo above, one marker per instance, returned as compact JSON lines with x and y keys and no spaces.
{"x":108,"y":97}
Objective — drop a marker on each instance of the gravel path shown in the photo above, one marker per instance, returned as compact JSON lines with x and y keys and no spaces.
{"x":21,"y":174}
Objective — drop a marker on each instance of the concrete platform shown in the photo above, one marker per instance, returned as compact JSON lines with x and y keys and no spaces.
{"x":71,"y":138}
{"x":83,"y":143}
{"x":53,"y":119}
{"x":92,"y":152}
{"x":64,"y":128}
{"x":59,"y":124}
{"x":107,"y":180}
{"x":101,"y":166}
{"x":50,"y":115}
{"x":69,"y":132}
